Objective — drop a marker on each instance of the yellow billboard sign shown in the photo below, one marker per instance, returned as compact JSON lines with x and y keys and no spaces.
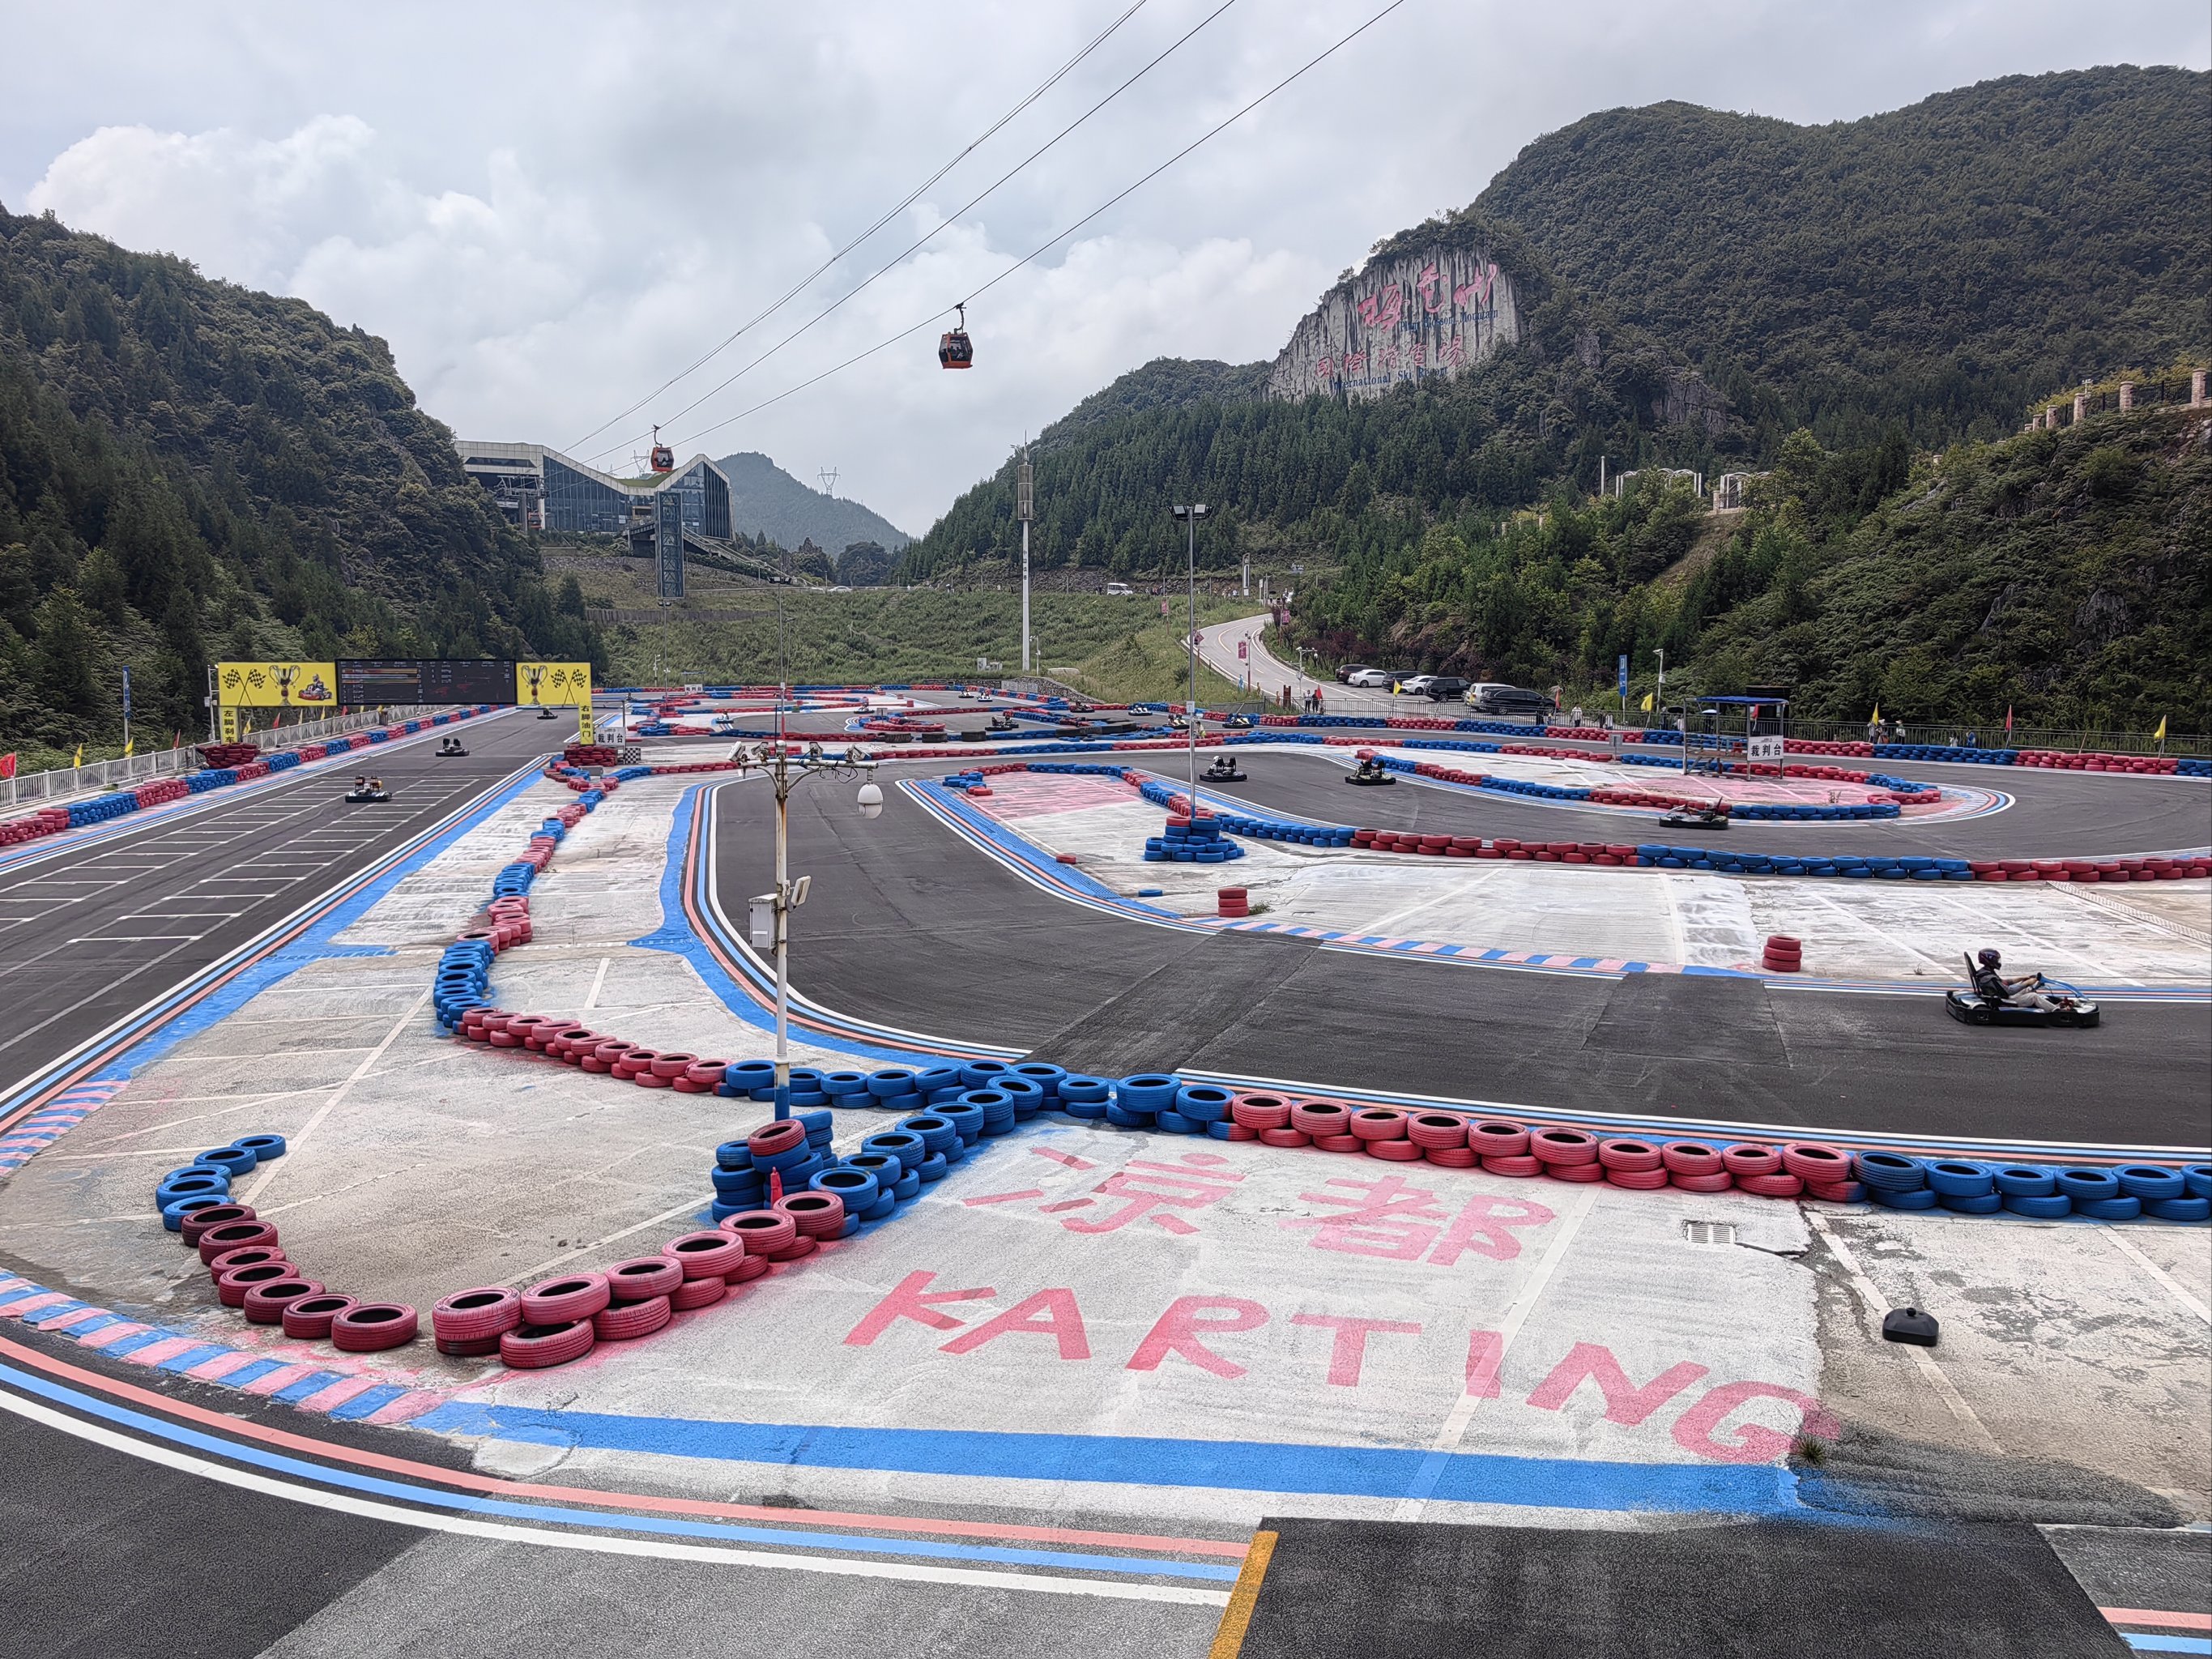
{"x":563,"y":684}
{"x":277,"y":685}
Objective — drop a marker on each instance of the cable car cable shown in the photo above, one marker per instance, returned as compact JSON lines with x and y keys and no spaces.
{"x":882,"y":220}
{"x":946,"y":224}
{"x":931,"y":320}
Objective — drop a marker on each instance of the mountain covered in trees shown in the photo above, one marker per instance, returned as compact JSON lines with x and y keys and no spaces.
{"x":1838,"y":306}
{"x":767,"y":501}
{"x":191,"y":470}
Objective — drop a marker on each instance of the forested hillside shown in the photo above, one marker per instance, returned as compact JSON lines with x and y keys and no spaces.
{"x":1334,"y":478}
{"x":189,"y":470}
{"x":1938,"y":264}
{"x":2066,"y":575}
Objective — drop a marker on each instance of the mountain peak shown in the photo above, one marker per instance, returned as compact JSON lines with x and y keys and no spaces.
{"x":765,"y":501}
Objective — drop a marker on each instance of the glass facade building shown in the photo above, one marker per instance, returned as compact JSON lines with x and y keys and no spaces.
{"x":542,"y":488}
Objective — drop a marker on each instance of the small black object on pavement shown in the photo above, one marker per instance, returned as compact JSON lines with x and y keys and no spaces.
{"x":1909,"y":1325}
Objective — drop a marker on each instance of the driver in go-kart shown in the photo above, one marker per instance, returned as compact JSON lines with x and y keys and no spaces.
{"x":2026,"y":992}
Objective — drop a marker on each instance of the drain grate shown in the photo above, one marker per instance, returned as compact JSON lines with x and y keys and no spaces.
{"x":1722,"y":1233}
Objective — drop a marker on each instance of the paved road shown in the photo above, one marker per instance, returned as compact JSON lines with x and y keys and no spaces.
{"x":912,"y":929}
{"x":89,"y":934}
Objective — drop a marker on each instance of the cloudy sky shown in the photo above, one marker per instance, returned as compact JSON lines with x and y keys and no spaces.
{"x":551,"y":209}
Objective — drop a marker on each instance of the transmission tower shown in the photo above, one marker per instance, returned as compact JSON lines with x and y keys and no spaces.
{"x":829,"y":477}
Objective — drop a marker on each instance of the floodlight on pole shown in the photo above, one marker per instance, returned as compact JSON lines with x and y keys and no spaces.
{"x":1189,"y":516}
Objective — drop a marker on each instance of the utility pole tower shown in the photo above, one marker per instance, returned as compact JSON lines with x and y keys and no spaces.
{"x":829,"y":477}
{"x":1025,"y":509}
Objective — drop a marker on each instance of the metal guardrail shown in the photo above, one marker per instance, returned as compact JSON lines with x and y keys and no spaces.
{"x":99,"y":777}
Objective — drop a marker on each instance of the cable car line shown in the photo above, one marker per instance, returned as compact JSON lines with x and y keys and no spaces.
{"x":946,"y":224}
{"x":883,"y":219}
{"x":1058,"y":236}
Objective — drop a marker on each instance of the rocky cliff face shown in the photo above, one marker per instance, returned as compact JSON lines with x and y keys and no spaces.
{"x":1418,"y":315}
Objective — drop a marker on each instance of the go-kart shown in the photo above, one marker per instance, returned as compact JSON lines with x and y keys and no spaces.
{"x":450,"y":749}
{"x":544,"y":713}
{"x":1237,"y":723}
{"x":1695,"y":818}
{"x":368,"y":794}
{"x":1223,"y":770}
{"x":1370,"y":772}
{"x":1970,"y":1007}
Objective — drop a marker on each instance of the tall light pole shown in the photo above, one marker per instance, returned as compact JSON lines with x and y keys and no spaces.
{"x":771,"y":912}
{"x":1025,"y":509}
{"x":1188,"y":517}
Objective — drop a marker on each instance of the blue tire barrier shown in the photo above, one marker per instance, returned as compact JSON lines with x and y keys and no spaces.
{"x":2178,"y":1209}
{"x":730,"y":1185}
{"x":1904,"y":1198}
{"x":743,"y":1077}
{"x":786,"y":1161}
{"x":2197,"y":1178}
{"x":1077,"y":1089}
{"x":174,"y":1211}
{"x":263,"y":1147}
{"x":1203,"y":1103}
{"x":908,"y":1185}
{"x":850,"y":1226}
{"x":195,"y":1168}
{"x":884,"y":1166}
{"x":2109,"y":1209}
{"x":983,"y":1073}
{"x":211,"y":1185}
{"x":1176,"y":1123}
{"x":1045,"y":1076}
{"x":1089,"y":1110}
{"x":1219,"y":1131}
{"x":882,"y":1210}
{"x":936,"y":1079}
{"x":2149,"y":1181}
{"x":1958,"y":1178}
{"x":966,"y":1119}
{"x":1122,"y":1117}
{"x":1891,"y":1172}
{"x":734,"y":1155}
{"x":996,"y":1105}
{"x":1028,"y":1097}
{"x":1146,"y":1092}
{"x":857,"y":1188}
{"x":937,"y":1132}
{"x":238,"y":1161}
{"x":2089,"y":1186}
{"x":840,"y":1085}
{"x":903,"y":1144}
{"x":933,"y":1168}
{"x":1971,"y":1203}
{"x":2042,"y":1206}
{"x":2026,"y":1180}
{"x":891,"y":1085}
{"x":957,"y":1153}
{"x":821,"y":1121}
{"x":806,"y":1088}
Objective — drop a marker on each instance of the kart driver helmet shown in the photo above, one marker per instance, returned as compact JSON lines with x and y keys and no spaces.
{"x":1990,"y":958}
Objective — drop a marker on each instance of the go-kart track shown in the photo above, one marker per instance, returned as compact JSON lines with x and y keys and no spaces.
{"x":1471,"y":1242}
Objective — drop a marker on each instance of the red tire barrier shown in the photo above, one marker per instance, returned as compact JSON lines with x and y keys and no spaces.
{"x":1392,"y":1152}
{"x":803,"y":1245}
{"x":1810,"y":1161}
{"x":624,"y":1321}
{"x":373,"y":1327}
{"x":230,"y":1290}
{"x":713,"y":1255}
{"x":1771,"y":1185}
{"x":763,"y":1232}
{"x":309,"y":1318}
{"x":533,"y":1347}
{"x":571,"y":1296}
{"x":637,"y":1063}
{"x":1260,"y":1113}
{"x":1646,"y":1180}
{"x":1631,"y":1158}
{"x":1514,"y":1163}
{"x":1449,"y":1157}
{"x":1693,"y":1160}
{"x":235,"y":1235}
{"x":779,"y":1137}
{"x":264,"y":1303}
{"x":1378,"y":1123}
{"x":695,"y":1293}
{"x":484,"y":1313}
{"x":1434,"y":1132}
{"x":1346,"y":1143}
{"x":1564,"y":1149}
{"x":1748,"y":1159}
{"x":1837,"y":1192}
{"x":1718,"y":1182}
{"x":1582,"y":1173}
{"x":216,"y":1215}
{"x":817,"y":1214}
{"x":251,"y":1255}
{"x":750,"y":1267}
{"x":670,"y":1066}
{"x":1286,"y":1137}
{"x":643,"y":1278}
{"x":1318,"y":1118}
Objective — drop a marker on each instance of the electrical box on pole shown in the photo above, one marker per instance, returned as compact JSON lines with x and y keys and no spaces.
{"x":1025,"y":509}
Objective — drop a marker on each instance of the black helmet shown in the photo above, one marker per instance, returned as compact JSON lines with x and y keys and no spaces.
{"x":1990,"y":959}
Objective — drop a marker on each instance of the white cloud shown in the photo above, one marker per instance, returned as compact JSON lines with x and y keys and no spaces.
{"x":546,"y":222}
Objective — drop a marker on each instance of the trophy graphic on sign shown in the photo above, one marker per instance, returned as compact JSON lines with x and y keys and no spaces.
{"x":535,"y":673}
{"x":286,"y":672}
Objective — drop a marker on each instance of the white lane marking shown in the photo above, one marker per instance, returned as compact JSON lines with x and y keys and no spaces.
{"x":1918,"y":1355}
{"x":910,"y":1572}
{"x":2179,"y":1291}
{"x":1463,"y":1412}
{"x":1865,"y":927}
{"x":368,"y":1061}
{"x":598,"y":983}
{"x":547,"y":1266}
{"x":1458,"y":890}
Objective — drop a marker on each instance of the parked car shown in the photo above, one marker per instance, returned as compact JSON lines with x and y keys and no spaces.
{"x":1379,"y":678}
{"x":1509,"y":700}
{"x":1442,"y":687}
{"x":1415,"y":686}
{"x":1346,"y":671}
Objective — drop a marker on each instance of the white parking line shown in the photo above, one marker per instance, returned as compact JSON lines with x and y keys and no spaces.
{"x":2179,"y":1293}
{"x":336,"y":1095}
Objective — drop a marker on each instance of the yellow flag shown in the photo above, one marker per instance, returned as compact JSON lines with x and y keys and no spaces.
{"x":79,"y":759}
{"x":1647,"y":702}
{"x":130,"y":747}
{"x":2160,"y":733}
{"x":1877,"y":713}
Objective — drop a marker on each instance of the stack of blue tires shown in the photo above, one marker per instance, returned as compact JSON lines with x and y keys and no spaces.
{"x":1967,"y":1187}
{"x":1197,"y":841}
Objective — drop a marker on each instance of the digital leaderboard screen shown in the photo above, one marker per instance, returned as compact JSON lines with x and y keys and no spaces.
{"x":415,"y":680}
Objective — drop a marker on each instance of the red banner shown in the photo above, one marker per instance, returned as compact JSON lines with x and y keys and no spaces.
{"x":7,"y":766}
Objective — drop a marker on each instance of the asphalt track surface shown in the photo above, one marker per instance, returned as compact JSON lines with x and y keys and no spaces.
{"x":910,"y":928}
{"x":90,"y":933}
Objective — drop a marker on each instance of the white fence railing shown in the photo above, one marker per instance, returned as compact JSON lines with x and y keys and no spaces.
{"x":99,"y":777}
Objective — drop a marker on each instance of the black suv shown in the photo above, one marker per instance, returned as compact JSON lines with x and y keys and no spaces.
{"x":1442,"y":687}
{"x":1512,"y":700}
